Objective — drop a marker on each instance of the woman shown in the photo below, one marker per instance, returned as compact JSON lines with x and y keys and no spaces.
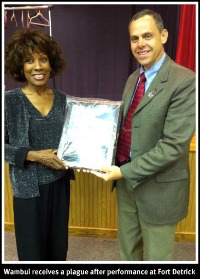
{"x":34,"y":117}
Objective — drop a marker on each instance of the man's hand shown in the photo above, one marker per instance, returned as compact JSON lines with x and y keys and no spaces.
{"x":108,"y":173}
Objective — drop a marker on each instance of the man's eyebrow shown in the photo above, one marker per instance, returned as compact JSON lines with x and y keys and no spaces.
{"x":143,"y":34}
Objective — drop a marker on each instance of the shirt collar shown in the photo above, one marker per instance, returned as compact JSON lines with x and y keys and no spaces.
{"x":154,"y":68}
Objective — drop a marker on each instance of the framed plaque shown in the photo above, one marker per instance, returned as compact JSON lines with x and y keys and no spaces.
{"x":90,"y":132}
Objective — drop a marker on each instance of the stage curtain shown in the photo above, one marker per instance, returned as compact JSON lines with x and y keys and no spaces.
{"x":185,"y":54}
{"x":186,"y":50}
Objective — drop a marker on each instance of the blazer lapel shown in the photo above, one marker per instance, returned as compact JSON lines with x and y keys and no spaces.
{"x":155,"y":88}
{"x":128,"y":94}
{"x":157,"y":84}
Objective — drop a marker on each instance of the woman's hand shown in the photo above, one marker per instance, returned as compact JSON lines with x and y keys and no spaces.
{"x":47,"y":157}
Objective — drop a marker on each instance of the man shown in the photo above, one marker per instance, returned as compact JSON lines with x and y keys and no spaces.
{"x":153,"y":183}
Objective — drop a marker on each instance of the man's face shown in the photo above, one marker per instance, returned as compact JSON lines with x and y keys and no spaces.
{"x":147,"y":41}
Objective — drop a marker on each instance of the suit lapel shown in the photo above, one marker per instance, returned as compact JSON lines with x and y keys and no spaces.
{"x":155,"y":88}
{"x":129,"y":91}
{"x":157,"y":84}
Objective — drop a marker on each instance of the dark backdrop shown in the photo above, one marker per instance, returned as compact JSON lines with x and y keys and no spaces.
{"x":95,"y":42}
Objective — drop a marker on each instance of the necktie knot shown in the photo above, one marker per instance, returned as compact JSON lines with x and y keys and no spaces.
{"x":142,"y":77}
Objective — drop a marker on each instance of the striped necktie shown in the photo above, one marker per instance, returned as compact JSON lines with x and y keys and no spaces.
{"x":124,"y":143}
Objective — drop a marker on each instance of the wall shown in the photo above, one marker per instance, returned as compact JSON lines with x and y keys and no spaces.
{"x":96,"y":45}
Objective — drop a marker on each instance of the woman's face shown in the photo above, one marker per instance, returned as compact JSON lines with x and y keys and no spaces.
{"x":37,"y":69}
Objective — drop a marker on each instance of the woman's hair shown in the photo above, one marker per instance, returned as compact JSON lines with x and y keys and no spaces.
{"x":157,"y":18}
{"x":26,"y":41}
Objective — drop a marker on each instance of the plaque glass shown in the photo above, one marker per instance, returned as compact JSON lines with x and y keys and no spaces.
{"x":90,"y":132}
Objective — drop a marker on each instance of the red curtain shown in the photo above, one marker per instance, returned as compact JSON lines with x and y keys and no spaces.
{"x":185,"y":54}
